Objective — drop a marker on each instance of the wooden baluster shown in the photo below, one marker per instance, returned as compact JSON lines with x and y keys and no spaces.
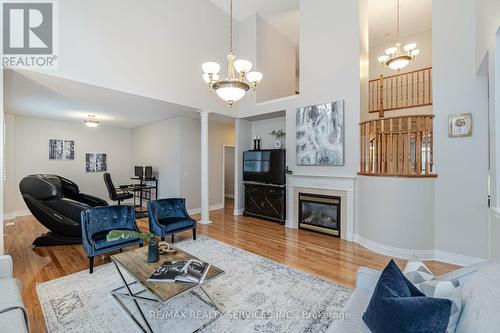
{"x":408,"y":147}
{"x":430,"y":86}
{"x":406,"y":97}
{"x":427,"y":148}
{"x":384,"y":147}
{"x":381,"y":101}
{"x":391,"y":148}
{"x":418,"y":89}
{"x":418,"y":147}
{"x":400,"y":147}
{"x":392,"y":92}
{"x":397,"y":89}
{"x":412,"y":90}
{"x":431,"y":138}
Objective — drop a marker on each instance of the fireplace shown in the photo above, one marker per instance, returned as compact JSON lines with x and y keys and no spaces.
{"x":319,"y":213}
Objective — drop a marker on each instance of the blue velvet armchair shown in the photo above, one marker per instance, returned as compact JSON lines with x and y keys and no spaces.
{"x":98,"y":222}
{"x":168,"y":217}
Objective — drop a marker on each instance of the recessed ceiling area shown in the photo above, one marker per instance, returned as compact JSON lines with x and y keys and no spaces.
{"x":37,"y":95}
{"x":416,"y":16}
{"x":282,"y":15}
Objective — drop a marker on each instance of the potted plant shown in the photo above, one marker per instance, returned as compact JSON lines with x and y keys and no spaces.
{"x":278,"y":134}
{"x":153,"y":252}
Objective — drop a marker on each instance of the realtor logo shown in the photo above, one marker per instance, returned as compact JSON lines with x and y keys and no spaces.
{"x":28,"y":34}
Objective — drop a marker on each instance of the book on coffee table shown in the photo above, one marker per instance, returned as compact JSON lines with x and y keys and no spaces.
{"x":191,"y":271}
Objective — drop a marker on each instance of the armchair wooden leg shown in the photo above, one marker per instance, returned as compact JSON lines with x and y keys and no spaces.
{"x":141,"y":244}
{"x":162,"y":238}
{"x":91,"y":265}
{"x":172,"y":238}
{"x":194,"y":233}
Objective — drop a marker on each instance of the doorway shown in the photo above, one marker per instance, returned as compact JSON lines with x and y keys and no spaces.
{"x":228,"y":175}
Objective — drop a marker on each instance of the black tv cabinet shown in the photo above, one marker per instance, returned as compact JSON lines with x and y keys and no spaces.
{"x":266,"y":201}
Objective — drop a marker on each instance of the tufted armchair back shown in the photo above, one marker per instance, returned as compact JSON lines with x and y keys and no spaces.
{"x":101,"y":219}
{"x":172,"y":207}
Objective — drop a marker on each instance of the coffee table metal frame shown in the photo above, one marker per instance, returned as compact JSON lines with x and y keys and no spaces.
{"x":146,"y":327}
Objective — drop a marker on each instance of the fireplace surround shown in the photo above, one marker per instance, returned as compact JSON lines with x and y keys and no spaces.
{"x":321,"y":213}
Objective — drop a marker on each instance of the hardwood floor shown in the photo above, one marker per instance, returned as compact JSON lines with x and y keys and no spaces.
{"x":322,"y":255}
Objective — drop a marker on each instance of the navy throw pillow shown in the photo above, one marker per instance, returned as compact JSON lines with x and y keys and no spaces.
{"x":398,"y":306}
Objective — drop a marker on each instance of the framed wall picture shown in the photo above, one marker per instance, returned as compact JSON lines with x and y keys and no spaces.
{"x":61,"y":149}
{"x":460,"y":125}
{"x":320,"y":134}
{"x":96,"y":162}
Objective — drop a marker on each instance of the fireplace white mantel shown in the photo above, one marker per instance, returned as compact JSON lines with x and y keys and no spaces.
{"x":328,"y":185}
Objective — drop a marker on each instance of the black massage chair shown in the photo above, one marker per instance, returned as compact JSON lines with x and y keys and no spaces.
{"x":56,"y":202}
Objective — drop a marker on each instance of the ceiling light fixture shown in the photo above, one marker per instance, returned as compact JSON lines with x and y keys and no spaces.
{"x":231,"y":89}
{"x":91,"y":122}
{"x":394,"y":57}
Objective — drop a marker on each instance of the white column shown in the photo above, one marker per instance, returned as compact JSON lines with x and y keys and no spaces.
{"x":205,"y":199}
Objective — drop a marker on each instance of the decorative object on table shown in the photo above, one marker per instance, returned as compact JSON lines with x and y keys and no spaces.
{"x":166,"y":248}
{"x":278,"y":134}
{"x":460,"y":125}
{"x":96,"y":162}
{"x":425,"y":281}
{"x":256,"y":142}
{"x":97,"y":222}
{"x":394,"y":57}
{"x":168,"y":217}
{"x":191,"y":271}
{"x":63,"y":150}
{"x":320,"y":134}
{"x":232,"y":88}
{"x":153,"y":250}
{"x":398,"y":306}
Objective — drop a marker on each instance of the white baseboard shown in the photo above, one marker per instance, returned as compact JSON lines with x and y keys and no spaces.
{"x":238,"y":211}
{"x":212,"y":207}
{"x":18,"y":213}
{"x":229,"y":196}
{"x":391,"y":251}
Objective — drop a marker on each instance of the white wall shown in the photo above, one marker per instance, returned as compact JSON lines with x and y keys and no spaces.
{"x":243,"y":139}
{"x":326,"y":76}
{"x":151,"y":48}
{"x":461,"y":213}
{"x":276,"y":57}
{"x":27,"y":153}
{"x":229,"y":172}
{"x":263,"y":129}
{"x":172,"y":147}
{"x":157,"y":145}
{"x":397,"y":212}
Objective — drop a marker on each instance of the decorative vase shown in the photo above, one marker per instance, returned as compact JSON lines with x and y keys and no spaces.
{"x":153,"y":252}
{"x":278,"y":144}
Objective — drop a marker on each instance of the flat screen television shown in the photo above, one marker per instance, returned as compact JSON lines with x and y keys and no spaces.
{"x":264,"y":166}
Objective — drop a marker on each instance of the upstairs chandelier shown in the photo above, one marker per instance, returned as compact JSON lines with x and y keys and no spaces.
{"x":232,"y":88}
{"x":394,"y":57}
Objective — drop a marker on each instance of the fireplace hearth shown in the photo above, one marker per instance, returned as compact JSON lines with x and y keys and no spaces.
{"x":320,"y":213}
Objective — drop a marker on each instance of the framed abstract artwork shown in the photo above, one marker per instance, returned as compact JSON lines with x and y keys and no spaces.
{"x":95,"y":162}
{"x":460,"y":125}
{"x":61,"y":149}
{"x":320,"y":134}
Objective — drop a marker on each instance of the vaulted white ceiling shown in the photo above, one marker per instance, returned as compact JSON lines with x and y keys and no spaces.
{"x":416,"y":16}
{"x":38,"y":95}
{"x":282,"y":15}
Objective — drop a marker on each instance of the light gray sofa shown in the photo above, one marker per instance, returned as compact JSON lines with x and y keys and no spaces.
{"x":480,"y":295}
{"x":13,"y":317}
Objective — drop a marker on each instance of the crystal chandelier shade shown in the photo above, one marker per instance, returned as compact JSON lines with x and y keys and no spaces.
{"x":397,"y":57}
{"x":232,"y":88}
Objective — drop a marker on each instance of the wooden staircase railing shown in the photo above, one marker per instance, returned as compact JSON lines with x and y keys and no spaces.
{"x":400,"y":91}
{"x":397,"y":147}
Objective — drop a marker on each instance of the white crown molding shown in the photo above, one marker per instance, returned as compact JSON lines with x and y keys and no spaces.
{"x":443,"y":256}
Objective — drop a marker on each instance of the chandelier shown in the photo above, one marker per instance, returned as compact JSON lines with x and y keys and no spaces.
{"x":91,"y":121}
{"x":232,"y":88}
{"x":394,"y":57}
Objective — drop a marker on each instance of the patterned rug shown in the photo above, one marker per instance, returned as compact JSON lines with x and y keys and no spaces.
{"x":255,"y":295}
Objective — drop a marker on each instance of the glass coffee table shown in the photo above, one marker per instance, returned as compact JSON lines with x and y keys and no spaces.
{"x":135,"y":263}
